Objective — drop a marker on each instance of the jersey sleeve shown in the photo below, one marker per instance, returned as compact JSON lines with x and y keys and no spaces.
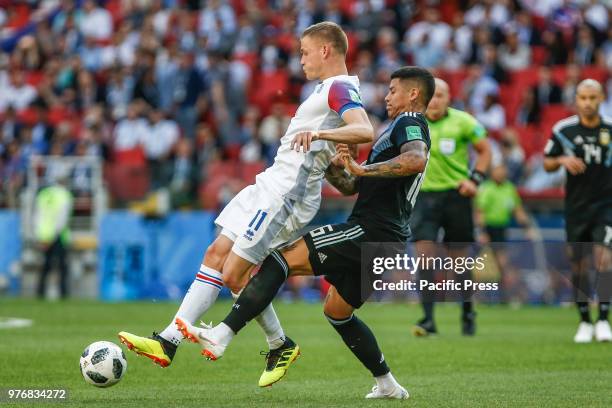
{"x":343,"y":96}
{"x":408,"y":129}
{"x":474,"y":130}
{"x":553,"y":147}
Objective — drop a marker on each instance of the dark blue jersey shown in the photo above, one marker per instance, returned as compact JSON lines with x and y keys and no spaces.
{"x":384,"y":204}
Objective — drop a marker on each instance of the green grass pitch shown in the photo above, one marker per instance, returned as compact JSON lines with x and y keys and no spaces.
{"x":522,"y":358}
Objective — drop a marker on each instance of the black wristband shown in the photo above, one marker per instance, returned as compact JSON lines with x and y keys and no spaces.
{"x":477,"y":177}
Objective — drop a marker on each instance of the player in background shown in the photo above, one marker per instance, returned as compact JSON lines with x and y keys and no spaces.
{"x":388,"y":185}
{"x":445,"y":201}
{"x":284,"y":198}
{"x":581,"y":144}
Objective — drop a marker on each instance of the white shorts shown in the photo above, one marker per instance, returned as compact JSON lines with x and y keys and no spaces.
{"x":260,"y":221}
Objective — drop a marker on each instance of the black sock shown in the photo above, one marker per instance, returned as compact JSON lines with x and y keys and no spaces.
{"x":259,"y":292}
{"x":467,"y":307}
{"x":361,"y":341}
{"x":604,"y":307}
{"x":583,"y":309}
{"x":428,"y":309}
{"x":427,"y":296}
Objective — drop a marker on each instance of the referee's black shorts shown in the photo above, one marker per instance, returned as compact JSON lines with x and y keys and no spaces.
{"x":335,"y":252}
{"x":446,"y":210}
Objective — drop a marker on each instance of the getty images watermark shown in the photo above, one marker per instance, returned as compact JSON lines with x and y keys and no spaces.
{"x":524,"y":272}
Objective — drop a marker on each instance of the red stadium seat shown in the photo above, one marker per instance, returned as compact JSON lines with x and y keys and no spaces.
{"x":248,"y":171}
{"x":529,"y":139}
{"x":127,"y":182}
{"x":133,"y":157}
{"x":218,"y":169}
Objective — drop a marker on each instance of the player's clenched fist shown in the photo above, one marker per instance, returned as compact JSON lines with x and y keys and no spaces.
{"x":304,"y":139}
{"x":349,"y":163}
{"x":574,"y":165}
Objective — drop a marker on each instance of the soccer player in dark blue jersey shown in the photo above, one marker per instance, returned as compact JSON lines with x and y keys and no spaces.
{"x":388,"y":184}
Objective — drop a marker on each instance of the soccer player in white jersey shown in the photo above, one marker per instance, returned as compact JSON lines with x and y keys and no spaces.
{"x":284,"y":199}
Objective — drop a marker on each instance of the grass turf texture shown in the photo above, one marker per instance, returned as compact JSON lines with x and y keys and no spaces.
{"x":519,"y":358}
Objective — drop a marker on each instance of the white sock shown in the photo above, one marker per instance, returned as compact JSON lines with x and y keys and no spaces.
{"x":222,"y":334}
{"x":268,"y":321}
{"x":386,"y":383}
{"x":201,"y":295}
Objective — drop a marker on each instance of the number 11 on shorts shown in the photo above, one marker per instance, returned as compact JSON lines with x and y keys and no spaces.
{"x":258,"y":219}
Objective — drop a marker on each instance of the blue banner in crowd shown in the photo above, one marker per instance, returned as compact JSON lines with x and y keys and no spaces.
{"x":143,"y":258}
{"x":10,"y":248}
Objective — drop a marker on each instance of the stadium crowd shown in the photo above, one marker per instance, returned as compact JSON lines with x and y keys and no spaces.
{"x":195,"y":95}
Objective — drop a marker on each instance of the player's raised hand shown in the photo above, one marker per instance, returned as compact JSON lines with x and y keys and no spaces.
{"x":468,"y":188}
{"x":337,"y":160}
{"x":304,"y":140}
{"x":349,"y":163}
{"x":573,"y":164}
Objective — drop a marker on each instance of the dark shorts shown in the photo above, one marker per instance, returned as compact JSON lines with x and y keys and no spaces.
{"x":335,"y":252}
{"x":446,"y":210}
{"x":593,"y":226}
{"x":496,"y":234}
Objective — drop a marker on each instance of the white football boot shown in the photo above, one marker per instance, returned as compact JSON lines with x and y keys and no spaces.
{"x":397,"y":392}
{"x":603,"y":331}
{"x":584,"y":333}
{"x":212,"y":349}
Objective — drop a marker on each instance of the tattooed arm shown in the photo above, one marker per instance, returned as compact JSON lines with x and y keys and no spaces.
{"x":412,"y":160}
{"x":345,"y":183}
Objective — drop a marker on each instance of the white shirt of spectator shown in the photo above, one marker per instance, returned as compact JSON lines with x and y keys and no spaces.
{"x":439,"y":34}
{"x":97,"y":24}
{"x":20,"y":98}
{"x":161,"y":137}
{"x":129,"y":134}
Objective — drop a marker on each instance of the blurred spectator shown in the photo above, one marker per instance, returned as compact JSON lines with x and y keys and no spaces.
{"x":272,"y":129}
{"x":477,"y":86}
{"x":146,"y":88}
{"x":158,"y":143}
{"x":492,"y":115}
{"x":183,"y":181}
{"x":91,"y":54}
{"x":188,"y":87}
{"x":514,"y":55}
{"x":555,"y":46}
{"x":130,"y":131}
{"x":95,"y":22}
{"x":606,"y":107}
{"x":568,"y":93}
{"x":119,"y":93}
{"x":11,"y":126}
{"x":252,"y":148}
{"x":546,"y":91}
{"x":491,"y":65}
{"x":430,"y":31}
{"x":530,"y":110}
{"x":206,"y":148}
{"x":584,"y":50}
{"x":17,"y":93}
{"x":14,"y":172}
{"x":513,"y":155}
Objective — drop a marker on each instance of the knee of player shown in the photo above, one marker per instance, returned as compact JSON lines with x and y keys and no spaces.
{"x":233,"y":282}
{"x":331,"y":311}
{"x":215,"y":256}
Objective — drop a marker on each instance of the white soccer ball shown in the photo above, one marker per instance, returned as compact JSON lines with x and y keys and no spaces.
{"x":103,"y":364}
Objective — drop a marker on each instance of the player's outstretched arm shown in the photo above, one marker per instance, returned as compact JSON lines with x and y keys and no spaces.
{"x":345,"y":182}
{"x":412,"y":160}
{"x":358,"y":129}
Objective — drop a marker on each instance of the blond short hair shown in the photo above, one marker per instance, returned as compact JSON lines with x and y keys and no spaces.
{"x":330,"y":32}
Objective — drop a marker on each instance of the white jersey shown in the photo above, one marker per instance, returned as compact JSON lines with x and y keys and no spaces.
{"x":296,"y":175}
{"x":286,"y":196}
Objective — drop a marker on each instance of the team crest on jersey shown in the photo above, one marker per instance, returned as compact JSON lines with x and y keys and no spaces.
{"x":604,"y":136}
{"x":578,"y":140}
{"x":354,"y":96}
